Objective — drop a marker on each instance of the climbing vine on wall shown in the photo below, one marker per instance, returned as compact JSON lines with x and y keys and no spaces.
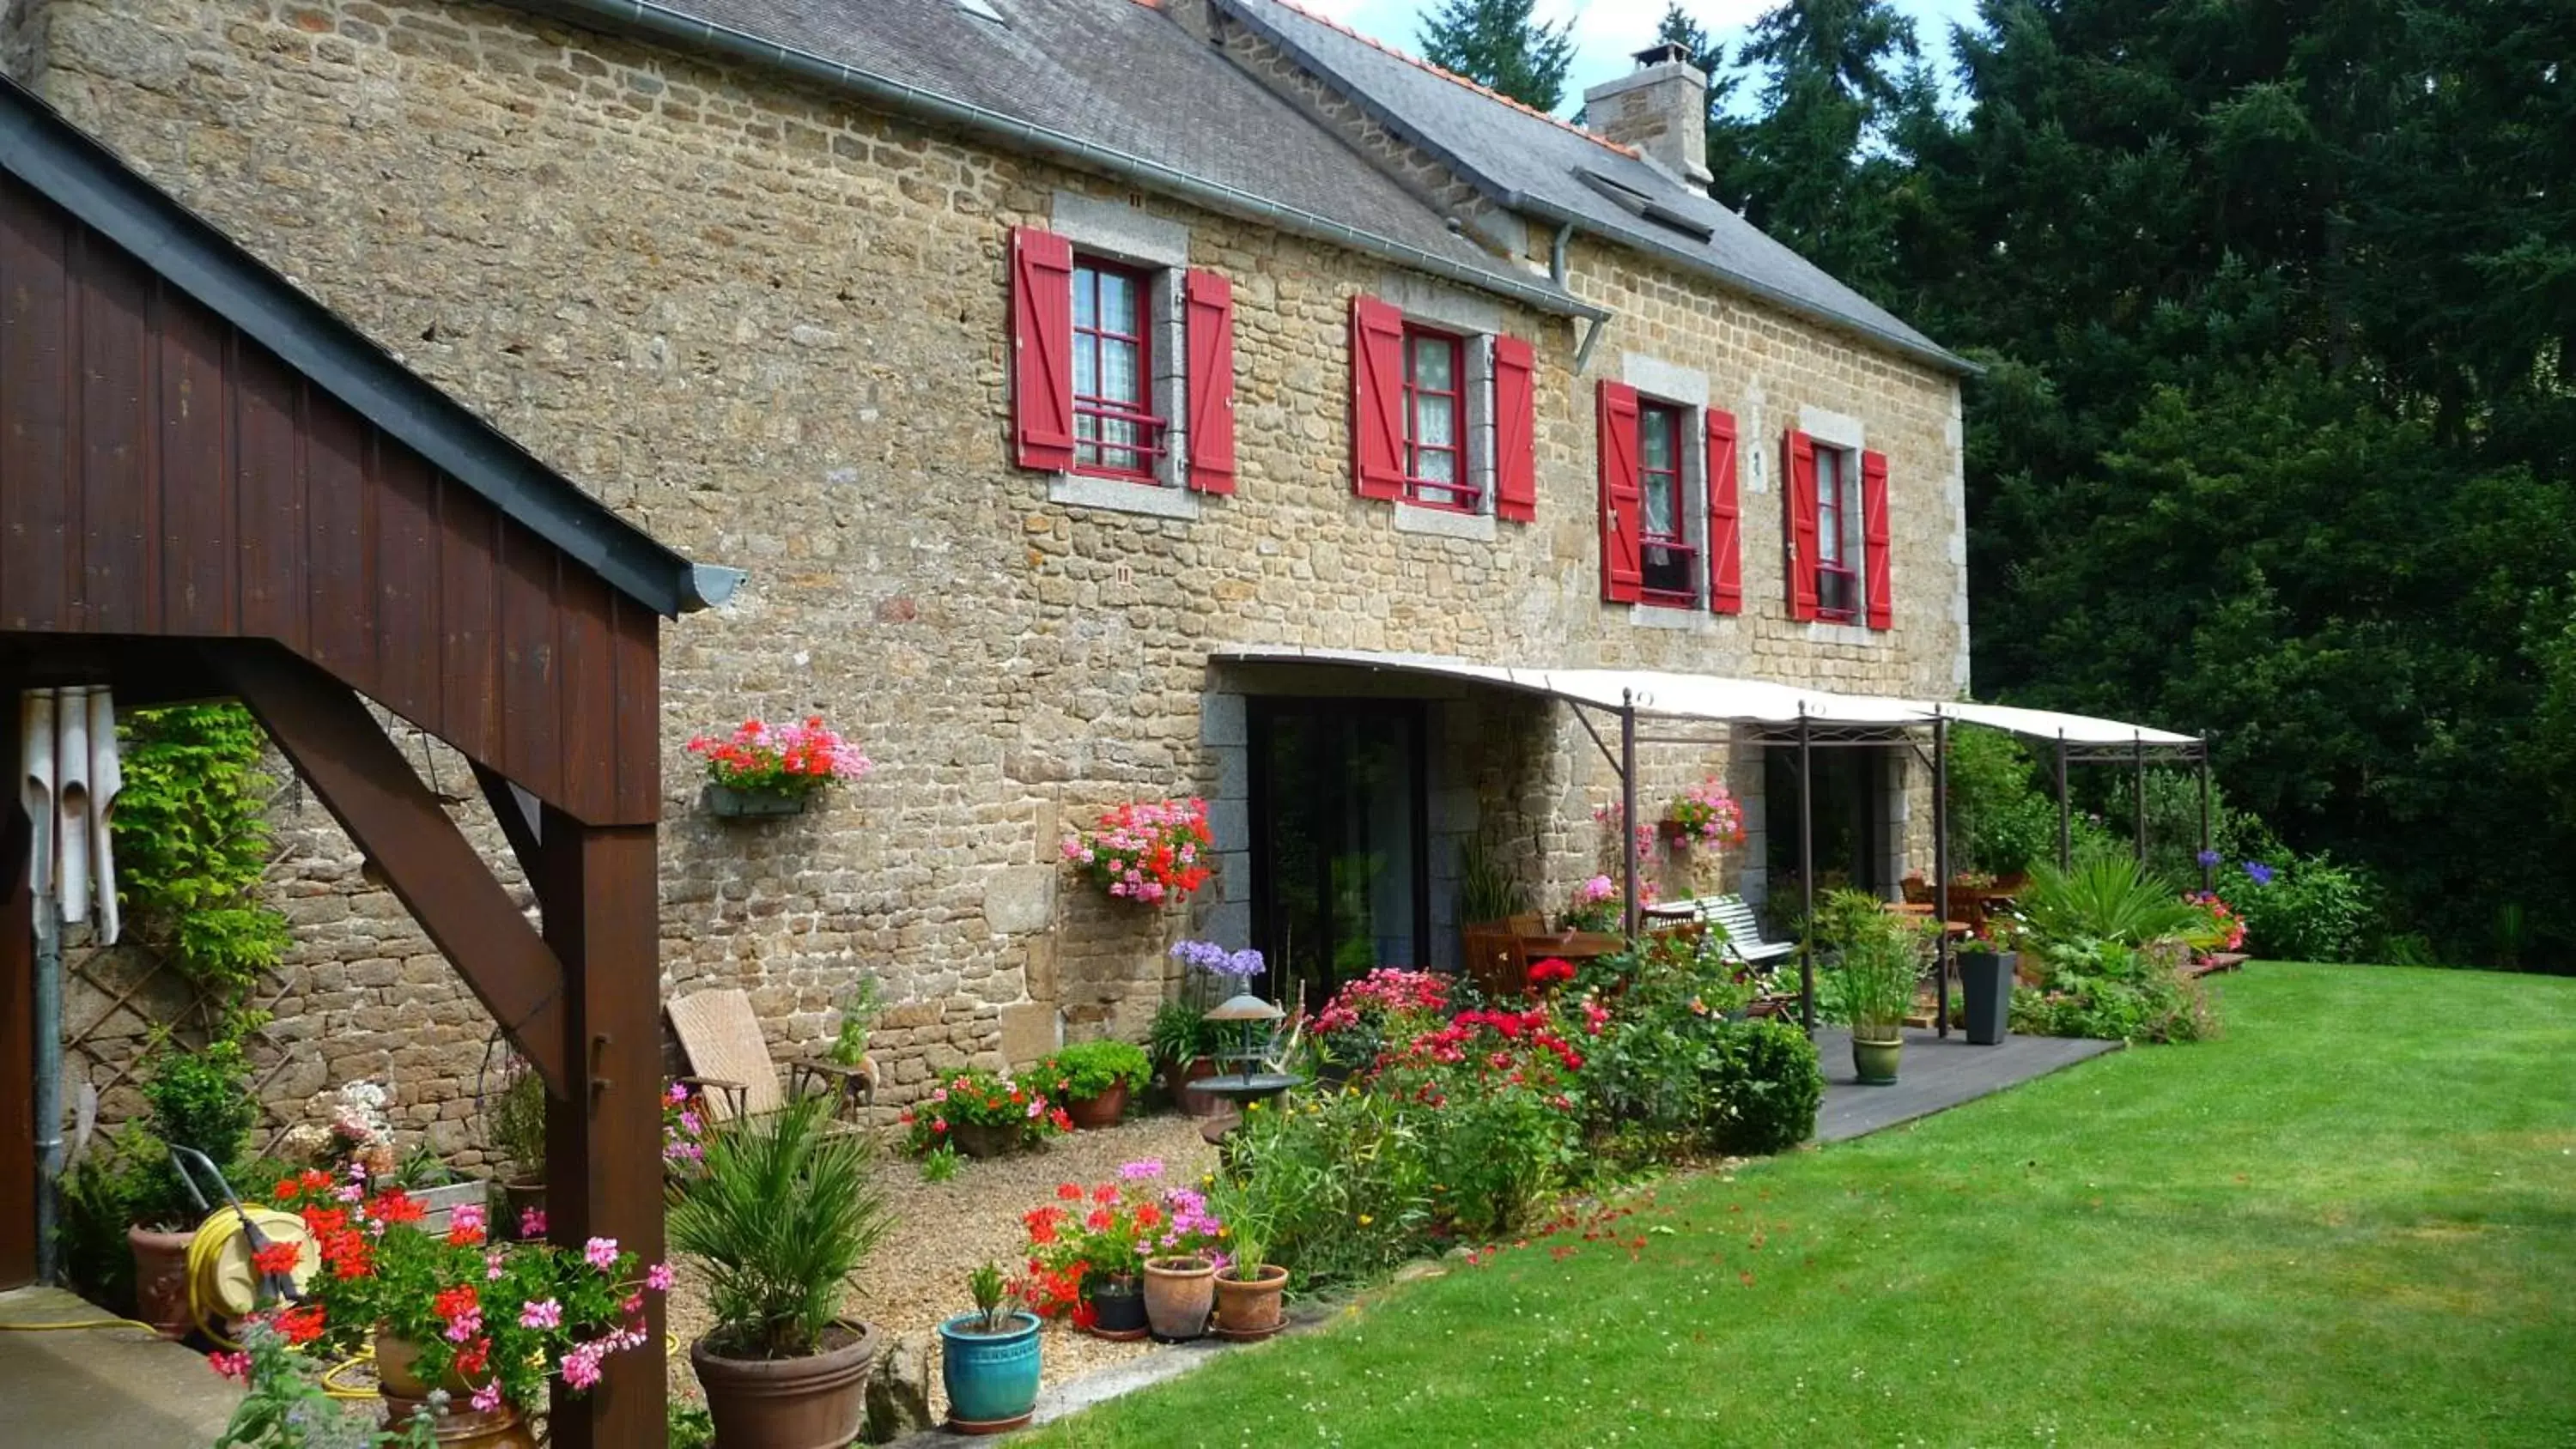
{"x":192,"y":842}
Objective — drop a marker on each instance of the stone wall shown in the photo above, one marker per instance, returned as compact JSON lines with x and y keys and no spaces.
{"x":769,"y":326}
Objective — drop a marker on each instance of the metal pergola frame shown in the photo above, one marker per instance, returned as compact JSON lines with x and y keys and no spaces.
{"x":1807,"y":735}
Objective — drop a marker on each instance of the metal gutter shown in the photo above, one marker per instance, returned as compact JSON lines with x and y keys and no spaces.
{"x":660,"y":23}
{"x":58,"y":159}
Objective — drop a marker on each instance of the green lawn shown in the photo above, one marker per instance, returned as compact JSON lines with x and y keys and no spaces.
{"x":2352,"y":1220}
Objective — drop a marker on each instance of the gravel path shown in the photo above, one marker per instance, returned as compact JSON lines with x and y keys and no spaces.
{"x":942,"y":1230}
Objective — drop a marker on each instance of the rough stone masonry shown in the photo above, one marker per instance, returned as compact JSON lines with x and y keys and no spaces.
{"x":768,"y":324}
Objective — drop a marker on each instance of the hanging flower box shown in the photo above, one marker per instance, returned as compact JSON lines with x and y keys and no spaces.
{"x":761,"y":770}
{"x":1150,"y":852}
{"x":1705,"y":816}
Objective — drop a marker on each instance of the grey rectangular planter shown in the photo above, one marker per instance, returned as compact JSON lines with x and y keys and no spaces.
{"x":727,"y":803}
{"x":439,"y":1204}
{"x":1986,"y":981}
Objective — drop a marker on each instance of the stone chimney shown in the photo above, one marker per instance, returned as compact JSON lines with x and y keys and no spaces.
{"x":1661,"y":108}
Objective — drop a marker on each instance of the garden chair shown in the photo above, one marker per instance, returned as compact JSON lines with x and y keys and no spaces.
{"x":1497,"y":961}
{"x":731,"y":1070}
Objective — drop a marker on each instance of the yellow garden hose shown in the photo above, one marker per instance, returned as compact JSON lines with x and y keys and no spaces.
{"x":222,"y":1283}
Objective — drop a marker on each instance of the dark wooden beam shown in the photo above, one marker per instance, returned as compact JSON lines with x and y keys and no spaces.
{"x":17,"y":1021}
{"x":517,"y":812}
{"x":597,"y":888}
{"x":372,"y":791}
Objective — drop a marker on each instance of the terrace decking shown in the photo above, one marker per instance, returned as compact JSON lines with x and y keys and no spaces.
{"x":1936,"y":1075}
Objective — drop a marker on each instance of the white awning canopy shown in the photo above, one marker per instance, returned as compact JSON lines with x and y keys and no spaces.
{"x":1715,"y":697}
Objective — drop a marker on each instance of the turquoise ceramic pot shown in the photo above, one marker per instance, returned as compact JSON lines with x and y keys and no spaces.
{"x":992,"y":1378}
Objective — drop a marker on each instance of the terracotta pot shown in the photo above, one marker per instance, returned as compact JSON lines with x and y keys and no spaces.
{"x":817,"y":1402}
{"x":398,"y":1372}
{"x":977,"y":1139}
{"x":161,"y":1280}
{"x":463,"y":1426}
{"x":516,"y":1199}
{"x":1193,"y":1101}
{"x":1250,"y":1307}
{"x":1179,"y":1292}
{"x":1090,"y":1114}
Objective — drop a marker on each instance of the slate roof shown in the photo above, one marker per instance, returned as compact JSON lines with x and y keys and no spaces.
{"x":1118,"y":75}
{"x":1522,"y":157}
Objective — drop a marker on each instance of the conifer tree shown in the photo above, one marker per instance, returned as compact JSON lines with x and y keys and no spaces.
{"x":1501,"y":46}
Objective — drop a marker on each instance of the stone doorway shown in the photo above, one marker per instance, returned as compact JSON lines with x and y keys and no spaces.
{"x":1340,"y":831}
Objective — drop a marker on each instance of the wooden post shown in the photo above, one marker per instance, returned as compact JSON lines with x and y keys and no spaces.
{"x":597,"y":889}
{"x":2138,"y":755}
{"x":2207,"y":868}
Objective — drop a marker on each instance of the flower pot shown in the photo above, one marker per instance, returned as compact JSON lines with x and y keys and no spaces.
{"x":517,"y":1199}
{"x":991,"y":1378}
{"x":726,"y":802}
{"x":398,"y":1371}
{"x":1875,"y":1061}
{"x":1117,"y":1308}
{"x":1986,"y":982}
{"x":161,"y":1280}
{"x":979,"y":1139}
{"x":1090,"y":1114}
{"x":1193,"y":1101}
{"x":815,"y":1402}
{"x":463,"y":1426}
{"x":1245,"y":1309}
{"x":1179,"y":1293}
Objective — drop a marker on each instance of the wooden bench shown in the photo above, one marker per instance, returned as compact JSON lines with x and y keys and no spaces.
{"x":1733,"y":916}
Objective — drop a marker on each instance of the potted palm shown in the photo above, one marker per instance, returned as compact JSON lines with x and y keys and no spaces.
{"x":1247,"y":1289}
{"x":988,"y":1360}
{"x":1093,"y":1080}
{"x":1880,"y":958}
{"x":779,"y":1215}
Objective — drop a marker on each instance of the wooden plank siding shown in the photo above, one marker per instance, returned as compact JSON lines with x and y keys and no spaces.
{"x":163,"y":474}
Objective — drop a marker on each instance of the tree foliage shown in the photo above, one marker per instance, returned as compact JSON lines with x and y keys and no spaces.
{"x":2278,"y":310}
{"x":1501,"y":46}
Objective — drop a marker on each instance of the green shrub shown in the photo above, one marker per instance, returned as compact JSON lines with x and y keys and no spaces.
{"x":1181,"y":1033}
{"x":1769,"y":1085}
{"x":101,"y":1197}
{"x":2113,"y":991}
{"x":1341,"y":1182}
{"x":2308,"y":910}
{"x":2000,"y":819}
{"x":1087,"y":1069}
{"x":198,"y":1098}
{"x":1496,"y":1155}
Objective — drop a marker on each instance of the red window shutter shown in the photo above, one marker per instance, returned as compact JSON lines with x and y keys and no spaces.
{"x":1210,"y":305}
{"x":1798,"y":473}
{"x":1873,"y":539}
{"x":1725,"y":518}
{"x":1042,"y":347}
{"x":1377,"y":399}
{"x":1623,"y":573}
{"x":1515,"y":431}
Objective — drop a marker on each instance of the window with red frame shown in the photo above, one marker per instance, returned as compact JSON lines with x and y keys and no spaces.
{"x":1837,"y":510}
{"x":1435,"y":453}
{"x":1670,"y":564}
{"x":1115,"y":432}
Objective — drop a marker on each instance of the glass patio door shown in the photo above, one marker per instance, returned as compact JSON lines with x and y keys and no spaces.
{"x":1339,"y":872}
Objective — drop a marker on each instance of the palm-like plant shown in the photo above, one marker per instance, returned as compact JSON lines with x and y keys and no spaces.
{"x":1879,"y":961}
{"x":783,"y":1212}
{"x":2110,"y":898}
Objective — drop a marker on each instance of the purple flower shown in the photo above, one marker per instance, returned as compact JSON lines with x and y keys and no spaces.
{"x":544,"y":1313}
{"x":600,"y":1253}
{"x":1140,"y":1169}
{"x":2257,"y":872}
{"x":2207,"y":858}
{"x":1215,"y":960}
{"x":658,"y":1277}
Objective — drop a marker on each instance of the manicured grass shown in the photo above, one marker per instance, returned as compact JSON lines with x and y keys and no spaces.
{"x":2352,"y":1220}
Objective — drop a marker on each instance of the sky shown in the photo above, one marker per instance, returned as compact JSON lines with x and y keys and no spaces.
{"x":1608,"y":32}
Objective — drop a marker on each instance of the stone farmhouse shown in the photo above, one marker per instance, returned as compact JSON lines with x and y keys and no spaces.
{"x":1051,"y":367}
